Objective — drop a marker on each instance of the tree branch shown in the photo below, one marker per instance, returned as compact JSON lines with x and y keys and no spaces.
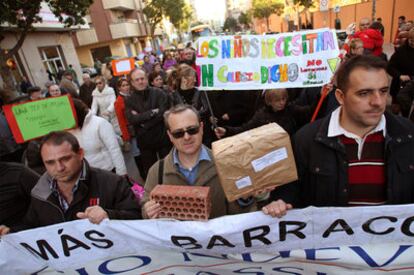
{"x":20,"y":41}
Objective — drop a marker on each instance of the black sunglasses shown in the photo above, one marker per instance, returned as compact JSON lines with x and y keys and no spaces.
{"x":192,"y":130}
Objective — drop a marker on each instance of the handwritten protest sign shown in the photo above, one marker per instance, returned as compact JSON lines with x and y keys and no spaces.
{"x":300,"y":59}
{"x":37,"y":118}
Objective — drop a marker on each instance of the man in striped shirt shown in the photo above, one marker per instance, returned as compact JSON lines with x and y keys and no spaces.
{"x":360,"y":154}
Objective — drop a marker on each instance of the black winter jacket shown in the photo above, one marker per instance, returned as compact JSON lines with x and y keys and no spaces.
{"x":322,"y":166}
{"x":149,"y":127}
{"x":290,"y":119}
{"x":16,"y":182}
{"x":99,"y":187}
{"x":401,"y":63}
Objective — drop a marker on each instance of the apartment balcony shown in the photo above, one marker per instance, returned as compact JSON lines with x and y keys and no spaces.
{"x":122,"y":5}
{"x":122,"y":29}
{"x":86,"y":37}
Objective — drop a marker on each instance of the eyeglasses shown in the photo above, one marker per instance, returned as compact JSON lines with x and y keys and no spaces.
{"x":99,"y":82}
{"x":192,"y":130}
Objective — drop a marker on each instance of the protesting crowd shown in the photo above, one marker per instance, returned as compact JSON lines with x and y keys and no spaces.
{"x":359,"y":151}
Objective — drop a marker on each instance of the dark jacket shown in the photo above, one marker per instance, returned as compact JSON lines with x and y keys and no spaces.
{"x":322,"y":166}
{"x":99,"y":187}
{"x":193,"y":97}
{"x":290,"y":119}
{"x":401,"y":63}
{"x":149,"y":127}
{"x":16,"y":182}
{"x":237,"y":104}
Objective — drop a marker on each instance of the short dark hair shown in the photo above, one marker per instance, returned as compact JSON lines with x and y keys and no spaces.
{"x":58,"y":138}
{"x":34,"y":89}
{"x":368,"y":62}
{"x":402,"y":17}
{"x":153,"y":75}
{"x":179,"y":108}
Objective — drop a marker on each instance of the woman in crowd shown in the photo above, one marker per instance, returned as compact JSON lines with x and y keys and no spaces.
{"x":372,"y":39}
{"x":356,"y":47}
{"x":98,"y":140}
{"x":185,"y":92}
{"x":169,"y":61}
{"x":127,"y":132}
{"x":103,"y":99}
{"x":156,"y":67}
{"x":155,"y":79}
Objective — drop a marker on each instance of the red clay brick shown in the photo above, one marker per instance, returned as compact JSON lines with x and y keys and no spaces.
{"x":183,"y":202}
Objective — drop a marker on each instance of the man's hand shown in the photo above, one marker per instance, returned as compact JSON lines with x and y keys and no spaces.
{"x":213,"y":120}
{"x":152,"y":209}
{"x":277,"y":208}
{"x":405,"y":78}
{"x":225,"y":117}
{"x":220,"y":132}
{"x":4,"y":230}
{"x":95,"y":214}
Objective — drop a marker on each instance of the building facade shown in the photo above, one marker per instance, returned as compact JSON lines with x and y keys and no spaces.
{"x":116,"y":28}
{"x":349,"y":11}
{"x":47,"y":48}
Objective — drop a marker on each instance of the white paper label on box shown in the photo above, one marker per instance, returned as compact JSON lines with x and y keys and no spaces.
{"x":243,"y":182}
{"x":269,"y":159}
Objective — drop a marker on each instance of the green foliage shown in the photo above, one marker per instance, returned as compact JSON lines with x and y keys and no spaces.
{"x":304,"y":3}
{"x":175,"y":10}
{"x":263,"y":9}
{"x":230,"y":24}
{"x":23,"y":13}
{"x":181,"y":18}
{"x":244,"y":19}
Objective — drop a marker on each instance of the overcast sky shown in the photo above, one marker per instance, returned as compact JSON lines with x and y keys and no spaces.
{"x":210,"y":9}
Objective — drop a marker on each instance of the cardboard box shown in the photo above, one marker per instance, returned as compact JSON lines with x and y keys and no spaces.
{"x":253,"y":160}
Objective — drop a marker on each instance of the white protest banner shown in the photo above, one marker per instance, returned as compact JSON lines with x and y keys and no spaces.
{"x":363,"y":240}
{"x":245,"y":62}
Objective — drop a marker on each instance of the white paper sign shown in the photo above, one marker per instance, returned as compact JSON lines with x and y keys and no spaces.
{"x":244,"y":62}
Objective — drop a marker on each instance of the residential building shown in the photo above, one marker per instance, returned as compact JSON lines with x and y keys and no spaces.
{"x":48,"y":47}
{"x":349,"y":11}
{"x":116,"y":28}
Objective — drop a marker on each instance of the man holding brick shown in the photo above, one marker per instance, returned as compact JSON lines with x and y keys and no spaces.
{"x":189,"y":163}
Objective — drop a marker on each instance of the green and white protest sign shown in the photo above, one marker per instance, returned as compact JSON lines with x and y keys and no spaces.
{"x":37,"y":118}
{"x":244,"y":62}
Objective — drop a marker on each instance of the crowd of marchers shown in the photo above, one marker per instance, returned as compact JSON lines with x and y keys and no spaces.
{"x":358,"y":152}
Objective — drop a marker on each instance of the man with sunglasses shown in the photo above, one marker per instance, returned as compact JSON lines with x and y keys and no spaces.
{"x":189,"y":163}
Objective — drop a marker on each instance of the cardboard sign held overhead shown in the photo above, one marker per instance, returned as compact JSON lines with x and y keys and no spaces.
{"x":122,"y":66}
{"x":34,"y":119}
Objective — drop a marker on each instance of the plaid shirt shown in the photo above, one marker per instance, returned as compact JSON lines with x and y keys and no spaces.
{"x":55,"y":190}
